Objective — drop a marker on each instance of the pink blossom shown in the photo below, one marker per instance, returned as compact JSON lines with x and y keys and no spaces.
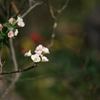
{"x":1,"y":26}
{"x":11,"y":34}
{"x":38,"y":52}
{"x":42,"y":48}
{"x":21,"y":24}
{"x":39,"y":48}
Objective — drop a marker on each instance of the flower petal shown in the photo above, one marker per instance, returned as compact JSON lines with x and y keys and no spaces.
{"x":45,"y":59}
{"x":1,"y":26}
{"x":16,"y":32}
{"x":39,"y":48}
{"x":11,"y":34}
{"x":28,"y":53}
{"x":35,"y":58}
{"x":21,"y":24}
{"x":45,"y":50}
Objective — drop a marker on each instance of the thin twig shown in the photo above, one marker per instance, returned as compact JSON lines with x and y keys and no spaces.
{"x":19,"y":71}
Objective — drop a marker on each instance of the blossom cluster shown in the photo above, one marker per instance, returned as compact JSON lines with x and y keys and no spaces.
{"x":39,"y":54}
{"x":11,"y":26}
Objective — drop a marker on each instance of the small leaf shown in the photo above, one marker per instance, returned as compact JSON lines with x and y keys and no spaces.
{"x":1,"y":36}
{"x":8,"y":25}
{"x":1,"y":43}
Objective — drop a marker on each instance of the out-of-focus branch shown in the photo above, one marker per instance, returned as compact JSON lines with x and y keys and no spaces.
{"x":15,"y":67}
{"x":13,"y":54}
{"x":0,"y":60}
{"x":30,"y":8}
{"x":30,"y":2}
{"x":33,"y":6}
{"x":64,"y":6}
{"x":51,"y":10}
{"x":3,"y":11}
{"x":55,"y":16}
{"x":76,"y":92}
{"x":15,"y":8}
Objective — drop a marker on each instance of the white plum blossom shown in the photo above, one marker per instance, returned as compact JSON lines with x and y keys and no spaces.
{"x":11,"y":34}
{"x":36,"y":58}
{"x":42,"y":48}
{"x":16,"y":32}
{"x":44,"y":59}
{"x":28,"y":53}
{"x":39,"y":54}
{"x":45,"y":50}
{"x":39,"y":48}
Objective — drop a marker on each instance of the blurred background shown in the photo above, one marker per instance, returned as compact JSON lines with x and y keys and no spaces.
{"x":73,"y":72}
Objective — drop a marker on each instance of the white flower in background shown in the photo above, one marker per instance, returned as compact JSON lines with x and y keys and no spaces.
{"x":28,"y":53}
{"x":12,"y":21}
{"x":35,"y":58}
{"x":16,"y":32}
{"x":20,"y":22}
{"x":11,"y":34}
{"x":44,"y":59}
{"x":1,"y":26}
{"x":19,"y":19}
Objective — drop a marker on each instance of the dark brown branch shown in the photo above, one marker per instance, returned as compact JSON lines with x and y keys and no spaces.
{"x":19,"y":71}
